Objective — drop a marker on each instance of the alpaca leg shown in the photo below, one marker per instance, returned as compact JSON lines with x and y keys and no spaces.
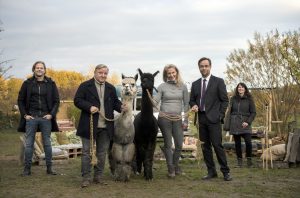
{"x":121,"y":171}
{"x":117,"y":158}
{"x":112,"y":162}
{"x":128,"y":153}
{"x":149,"y":161}
{"x":139,"y":158}
{"x":123,"y":155}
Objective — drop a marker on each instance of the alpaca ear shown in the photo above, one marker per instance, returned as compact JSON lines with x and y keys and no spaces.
{"x":136,"y":77}
{"x":140,"y":71}
{"x":123,"y":76}
{"x":155,"y":73}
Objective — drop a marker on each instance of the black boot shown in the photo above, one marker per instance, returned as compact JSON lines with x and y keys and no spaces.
{"x":249,"y":162}
{"x":239,"y":163}
{"x":26,"y":171}
{"x":50,"y":171}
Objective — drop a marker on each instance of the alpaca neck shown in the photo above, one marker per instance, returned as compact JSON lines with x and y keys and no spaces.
{"x":129,"y":103}
{"x":147,"y":107}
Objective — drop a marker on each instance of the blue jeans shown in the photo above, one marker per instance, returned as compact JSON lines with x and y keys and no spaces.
{"x":102,"y":145}
{"x":32,"y":126}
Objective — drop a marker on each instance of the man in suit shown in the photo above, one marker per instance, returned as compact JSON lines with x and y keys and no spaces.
{"x":99,"y":98}
{"x":209,"y":98}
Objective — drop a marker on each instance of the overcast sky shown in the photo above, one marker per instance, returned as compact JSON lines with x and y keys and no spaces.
{"x":131,"y":34}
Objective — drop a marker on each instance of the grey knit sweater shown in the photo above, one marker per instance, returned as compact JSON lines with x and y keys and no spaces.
{"x":174,"y":99}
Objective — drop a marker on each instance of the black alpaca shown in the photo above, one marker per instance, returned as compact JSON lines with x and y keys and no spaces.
{"x":146,"y":128}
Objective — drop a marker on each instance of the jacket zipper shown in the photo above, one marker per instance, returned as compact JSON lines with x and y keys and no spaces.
{"x":40,"y":103}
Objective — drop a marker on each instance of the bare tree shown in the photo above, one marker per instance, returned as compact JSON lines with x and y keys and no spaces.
{"x":264,"y":66}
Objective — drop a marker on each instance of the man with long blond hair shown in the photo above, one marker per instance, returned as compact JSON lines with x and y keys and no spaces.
{"x":38,"y":102}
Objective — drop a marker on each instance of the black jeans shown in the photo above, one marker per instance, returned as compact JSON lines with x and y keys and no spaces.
{"x":238,"y":145}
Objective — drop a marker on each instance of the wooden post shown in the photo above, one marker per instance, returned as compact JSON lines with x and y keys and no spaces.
{"x":263,"y":150}
{"x":270,"y":113}
{"x":270,"y":151}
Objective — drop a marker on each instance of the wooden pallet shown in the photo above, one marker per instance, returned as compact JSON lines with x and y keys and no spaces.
{"x":72,"y":150}
{"x":75,"y":154}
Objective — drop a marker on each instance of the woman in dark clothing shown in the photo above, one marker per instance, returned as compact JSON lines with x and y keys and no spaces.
{"x":241,"y":116}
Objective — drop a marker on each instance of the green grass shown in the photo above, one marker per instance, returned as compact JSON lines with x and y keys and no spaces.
{"x":10,"y":142}
{"x":246,"y":183}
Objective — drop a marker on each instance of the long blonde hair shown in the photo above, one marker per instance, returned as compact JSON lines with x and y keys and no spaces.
{"x":179,"y":80}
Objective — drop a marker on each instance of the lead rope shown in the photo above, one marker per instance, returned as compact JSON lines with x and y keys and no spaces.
{"x":108,"y":119}
{"x":92,"y":145}
{"x":163,"y":114}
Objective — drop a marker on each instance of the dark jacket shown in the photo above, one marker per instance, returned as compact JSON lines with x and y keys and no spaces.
{"x":216,"y":99}
{"x":24,"y":101}
{"x":87,"y":96}
{"x":242,"y":110}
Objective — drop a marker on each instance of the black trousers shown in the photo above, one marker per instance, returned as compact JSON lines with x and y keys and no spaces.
{"x":211,"y":136}
{"x":238,"y":145}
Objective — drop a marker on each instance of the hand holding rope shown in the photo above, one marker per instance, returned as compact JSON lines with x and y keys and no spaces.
{"x":163,"y":114}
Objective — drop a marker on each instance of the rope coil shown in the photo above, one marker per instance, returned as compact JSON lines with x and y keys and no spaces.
{"x":92,"y":143}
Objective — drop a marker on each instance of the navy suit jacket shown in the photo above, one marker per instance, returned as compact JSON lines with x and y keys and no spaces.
{"x":216,"y":99}
{"x":87,"y":96}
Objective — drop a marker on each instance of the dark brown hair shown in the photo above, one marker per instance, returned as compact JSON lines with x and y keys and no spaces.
{"x":247,"y":93}
{"x":202,"y":59}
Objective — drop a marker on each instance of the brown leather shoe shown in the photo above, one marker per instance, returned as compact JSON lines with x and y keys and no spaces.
{"x":85,"y":183}
{"x":98,"y":180}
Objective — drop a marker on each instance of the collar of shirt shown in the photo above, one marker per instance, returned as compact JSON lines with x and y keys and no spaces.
{"x":207,"y":79}
{"x":100,"y":83}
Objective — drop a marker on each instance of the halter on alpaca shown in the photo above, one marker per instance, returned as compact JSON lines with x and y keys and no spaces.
{"x":123,"y":148}
{"x":146,"y":128}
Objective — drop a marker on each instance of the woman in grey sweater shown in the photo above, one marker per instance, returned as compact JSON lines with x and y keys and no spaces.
{"x":174,"y":98}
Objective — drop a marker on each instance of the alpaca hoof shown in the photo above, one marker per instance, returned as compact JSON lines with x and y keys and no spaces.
{"x":137,"y":173}
{"x":149,"y":179}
